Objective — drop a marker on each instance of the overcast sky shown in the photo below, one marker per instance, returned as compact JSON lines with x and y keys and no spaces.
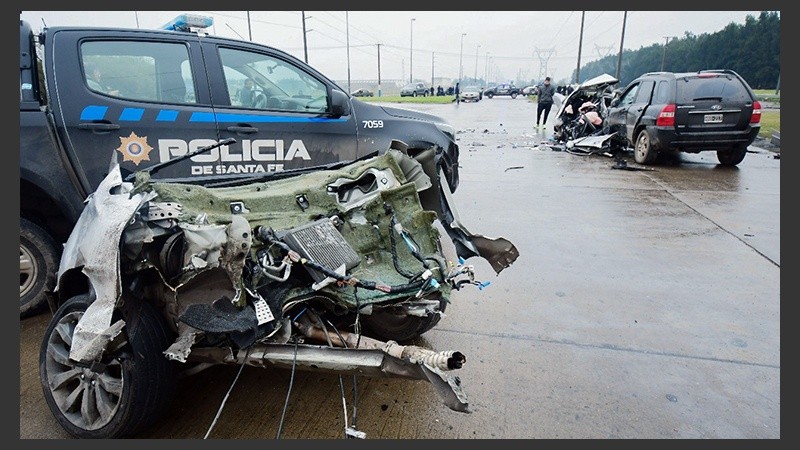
{"x":507,"y":43}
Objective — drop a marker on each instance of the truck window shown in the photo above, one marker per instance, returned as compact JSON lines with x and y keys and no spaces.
{"x":140,"y":71}
{"x":276,"y":84}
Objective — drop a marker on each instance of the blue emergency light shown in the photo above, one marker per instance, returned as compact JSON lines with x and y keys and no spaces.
{"x":185,"y":22}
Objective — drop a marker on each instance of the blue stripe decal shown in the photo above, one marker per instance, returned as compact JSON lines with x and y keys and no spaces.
{"x":209,"y":117}
{"x":167,"y":115}
{"x":131,"y":114}
{"x":94,"y":112}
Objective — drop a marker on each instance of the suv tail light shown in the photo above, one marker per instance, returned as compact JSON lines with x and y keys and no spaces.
{"x":666,"y":118}
{"x":756,"y":116}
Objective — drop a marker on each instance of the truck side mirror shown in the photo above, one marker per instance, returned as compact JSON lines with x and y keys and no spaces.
{"x":340,"y":103}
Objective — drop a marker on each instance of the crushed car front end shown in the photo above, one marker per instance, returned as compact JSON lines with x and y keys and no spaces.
{"x":327,"y":270}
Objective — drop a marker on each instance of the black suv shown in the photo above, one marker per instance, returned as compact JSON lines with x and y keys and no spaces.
{"x":502,"y":89}
{"x":687,"y":112}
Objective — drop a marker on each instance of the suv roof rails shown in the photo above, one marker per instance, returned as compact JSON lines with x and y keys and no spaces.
{"x":728,"y":71}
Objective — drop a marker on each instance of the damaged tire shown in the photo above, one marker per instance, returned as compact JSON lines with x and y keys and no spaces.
{"x":126,"y":391}
{"x":393,"y":324}
{"x":38,"y":265}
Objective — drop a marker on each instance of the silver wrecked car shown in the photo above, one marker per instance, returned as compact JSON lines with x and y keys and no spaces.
{"x":160,"y":278}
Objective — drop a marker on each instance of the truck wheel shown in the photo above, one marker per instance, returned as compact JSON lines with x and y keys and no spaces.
{"x":733,"y":156}
{"x":38,"y":265}
{"x":393,"y":324}
{"x":489,"y":95}
{"x":643,"y":152}
{"x":513,"y":95}
{"x":127,"y":390}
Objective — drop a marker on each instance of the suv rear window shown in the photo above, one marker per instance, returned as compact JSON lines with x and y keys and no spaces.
{"x":721,"y":88}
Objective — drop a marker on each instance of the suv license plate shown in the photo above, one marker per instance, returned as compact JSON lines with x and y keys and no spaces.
{"x":712,"y":118}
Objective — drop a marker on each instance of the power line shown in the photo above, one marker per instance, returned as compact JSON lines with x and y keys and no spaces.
{"x":560,"y":28}
{"x":252,"y":20}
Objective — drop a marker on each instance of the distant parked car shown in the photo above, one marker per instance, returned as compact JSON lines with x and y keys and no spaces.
{"x":529,"y":90}
{"x":471,"y":94}
{"x":413,"y":90}
{"x":362,"y":93}
{"x":689,"y":112}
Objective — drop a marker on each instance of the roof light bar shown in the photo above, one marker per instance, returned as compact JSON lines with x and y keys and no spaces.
{"x":185,"y":22}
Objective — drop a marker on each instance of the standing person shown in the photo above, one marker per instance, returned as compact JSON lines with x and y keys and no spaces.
{"x":545,"y":101}
{"x":458,"y":92}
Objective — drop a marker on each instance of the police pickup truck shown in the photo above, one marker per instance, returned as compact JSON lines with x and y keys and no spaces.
{"x":146,"y":97}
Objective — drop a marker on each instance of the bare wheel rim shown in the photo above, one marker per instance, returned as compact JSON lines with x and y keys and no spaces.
{"x":88,"y":399}
{"x":642,"y":145}
{"x":28,"y":270}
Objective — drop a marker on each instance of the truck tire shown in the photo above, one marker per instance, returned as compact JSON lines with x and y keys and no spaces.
{"x":733,"y":156}
{"x":131,"y":388}
{"x":489,"y":95}
{"x":38,"y":266}
{"x":513,"y":95}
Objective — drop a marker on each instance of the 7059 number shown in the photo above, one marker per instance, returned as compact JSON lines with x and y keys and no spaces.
{"x":373,"y":123}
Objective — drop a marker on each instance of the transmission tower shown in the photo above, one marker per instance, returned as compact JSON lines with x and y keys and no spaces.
{"x":544,"y":55}
{"x":603,"y":50}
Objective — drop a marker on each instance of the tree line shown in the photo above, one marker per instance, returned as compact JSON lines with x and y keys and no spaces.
{"x":752,"y":50}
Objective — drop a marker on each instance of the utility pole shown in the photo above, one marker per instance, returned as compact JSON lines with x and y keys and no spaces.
{"x":461,"y":59}
{"x":476,"y":62}
{"x":580,"y":45}
{"x":379,"y":70}
{"x":305,"y":43}
{"x":136,"y":13}
{"x":411,"y":61}
{"x":664,"y":54}
{"x":621,"y":41}
{"x":249,"y":30}
{"x":347,"y":25}
{"x":486,"y":71}
{"x":432,"y":62}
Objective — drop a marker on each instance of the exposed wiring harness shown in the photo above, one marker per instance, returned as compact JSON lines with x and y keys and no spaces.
{"x":268,"y":235}
{"x":227,"y":394}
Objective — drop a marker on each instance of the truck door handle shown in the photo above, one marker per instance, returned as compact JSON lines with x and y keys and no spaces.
{"x":98,"y":126}
{"x":243,"y":129}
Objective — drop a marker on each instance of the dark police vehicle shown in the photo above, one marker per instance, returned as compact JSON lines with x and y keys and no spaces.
{"x":146,"y":97}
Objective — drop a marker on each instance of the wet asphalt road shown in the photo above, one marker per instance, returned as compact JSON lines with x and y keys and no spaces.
{"x":644,"y":304}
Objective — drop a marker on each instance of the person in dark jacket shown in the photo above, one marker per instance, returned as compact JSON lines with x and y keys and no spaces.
{"x":545,"y":101}
{"x":458,"y":93}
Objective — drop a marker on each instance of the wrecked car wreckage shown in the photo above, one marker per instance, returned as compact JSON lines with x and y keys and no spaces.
{"x":322,"y":270}
{"x":581,"y":125}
